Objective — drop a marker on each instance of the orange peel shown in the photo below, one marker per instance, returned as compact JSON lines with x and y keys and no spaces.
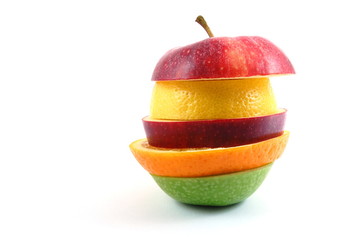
{"x":197,"y":162}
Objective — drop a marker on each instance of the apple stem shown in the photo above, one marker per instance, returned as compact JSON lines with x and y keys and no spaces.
{"x":204,"y":24}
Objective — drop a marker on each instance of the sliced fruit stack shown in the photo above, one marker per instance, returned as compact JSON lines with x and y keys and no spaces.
{"x":214,"y":128}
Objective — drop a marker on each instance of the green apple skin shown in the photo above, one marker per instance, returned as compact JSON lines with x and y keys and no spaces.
{"x":217,"y":190}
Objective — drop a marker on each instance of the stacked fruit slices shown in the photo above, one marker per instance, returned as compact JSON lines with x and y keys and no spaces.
{"x":214,"y":132}
{"x":206,"y":152}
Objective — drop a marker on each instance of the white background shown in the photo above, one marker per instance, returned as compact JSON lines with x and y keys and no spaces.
{"x":75,"y":83}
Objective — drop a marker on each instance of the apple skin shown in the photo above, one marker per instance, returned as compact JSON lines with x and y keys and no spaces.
{"x":223,"y":58}
{"x":213,"y":133}
{"x":215,"y":190}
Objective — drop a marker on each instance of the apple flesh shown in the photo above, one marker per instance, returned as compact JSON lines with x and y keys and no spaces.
{"x":223,"y":58}
{"x":213,"y":133}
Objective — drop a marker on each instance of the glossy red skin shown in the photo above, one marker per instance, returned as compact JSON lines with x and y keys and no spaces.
{"x":223,"y":58}
{"x":213,"y":133}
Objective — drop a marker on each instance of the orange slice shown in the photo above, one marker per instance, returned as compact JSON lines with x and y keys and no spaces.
{"x":196,"y":162}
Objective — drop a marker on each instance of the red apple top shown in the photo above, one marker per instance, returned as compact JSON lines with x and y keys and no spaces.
{"x":223,"y":58}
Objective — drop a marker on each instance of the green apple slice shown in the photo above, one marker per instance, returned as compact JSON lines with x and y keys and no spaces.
{"x":217,"y":190}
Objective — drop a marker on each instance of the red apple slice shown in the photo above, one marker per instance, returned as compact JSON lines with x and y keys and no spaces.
{"x":213,"y":133}
{"x":223,"y":58}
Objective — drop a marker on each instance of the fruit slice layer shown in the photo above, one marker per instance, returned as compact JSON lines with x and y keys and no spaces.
{"x":223,"y":57}
{"x":195,"y":162}
{"x":213,"y":133}
{"x":190,"y":100}
{"x":219,"y":190}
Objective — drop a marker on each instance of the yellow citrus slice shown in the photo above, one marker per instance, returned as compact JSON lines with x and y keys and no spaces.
{"x":186,"y":100}
{"x":196,"y":162}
